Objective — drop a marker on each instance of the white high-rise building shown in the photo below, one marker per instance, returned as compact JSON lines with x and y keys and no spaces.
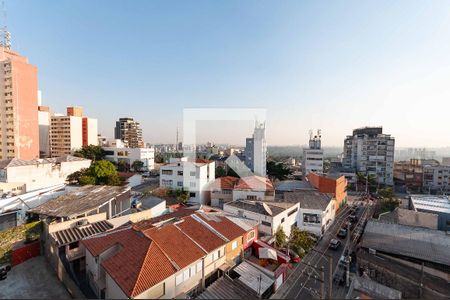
{"x":256,"y":151}
{"x":371,"y":152}
{"x":313,"y":156}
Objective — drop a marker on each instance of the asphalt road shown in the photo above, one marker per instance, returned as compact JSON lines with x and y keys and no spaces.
{"x":305,"y":281}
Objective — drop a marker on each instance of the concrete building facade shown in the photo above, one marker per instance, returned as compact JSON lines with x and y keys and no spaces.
{"x":371,"y":152}
{"x":117,"y":151}
{"x":130,"y":132}
{"x":256,"y":151}
{"x":313,"y":156}
{"x":19,"y":127}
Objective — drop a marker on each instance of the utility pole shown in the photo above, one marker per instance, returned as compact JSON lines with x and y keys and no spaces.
{"x":330,"y":277}
{"x":322,"y":283}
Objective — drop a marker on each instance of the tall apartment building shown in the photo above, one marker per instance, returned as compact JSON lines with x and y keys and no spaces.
{"x":256,"y":150}
{"x":19,"y":130}
{"x":371,"y":152}
{"x":313,"y":156}
{"x":69,"y":133}
{"x":130,"y":132}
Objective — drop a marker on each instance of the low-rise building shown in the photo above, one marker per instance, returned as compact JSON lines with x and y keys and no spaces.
{"x":439,"y":205}
{"x":409,"y":174}
{"x":221,"y":190}
{"x":336,"y":185}
{"x":191,"y":175}
{"x":40,"y":173}
{"x":254,"y":188}
{"x":316,"y":210}
{"x":411,"y":218}
{"x":269,"y":215}
{"x":436,"y":178}
{"x":117,"y":151}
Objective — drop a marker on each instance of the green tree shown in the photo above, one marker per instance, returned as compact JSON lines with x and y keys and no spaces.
{"x":137,"y":165}
{"x":277,"y":170}
{"x":387,"y":193}
{"x":91,"y":152}
{"x":280,"y":237}
{"x":86,"y":179}
{"x":300,"y":241}
{"x":220,"y":172}
{"x":123,"y":166}
{"x":113,"y":180}
{"x":159,"y":158}
{"x":75,"y":176}
{"x":182,"y":195}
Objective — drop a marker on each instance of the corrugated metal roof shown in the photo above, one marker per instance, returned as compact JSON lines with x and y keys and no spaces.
{"x":250,"y":275}
{"x":70,"y":235}
{"x":416,"y":242}
{"x":226,"y":288}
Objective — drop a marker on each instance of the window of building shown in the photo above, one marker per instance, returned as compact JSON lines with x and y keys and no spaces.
{"x":192,"y":184}
{"x":179,"y":279}
{"x":251,"y":197}
{"x":234,"y":245}
{"x":292,"y":212}
{"x":166,"y":172}
{"x":193,"y":271}
{"x":282,"y":220}
{"x":186,"y":274}
{"x":251,"y":235}
{"x":266,"y":223}
{"x":73,"y":245}
{"x":311,"y":218}
{"x":199,"y":267}
{"x":213,"y":256}
{"x":192,"y":195}
{"x":192,"y":173}
{"x":180,"y":183}
{"x":180,"y":173}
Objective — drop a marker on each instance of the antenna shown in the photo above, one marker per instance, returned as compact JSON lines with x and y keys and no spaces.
{"x":5,"y":35}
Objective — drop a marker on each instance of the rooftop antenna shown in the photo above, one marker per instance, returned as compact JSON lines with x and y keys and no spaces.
{"x":5,"y":35}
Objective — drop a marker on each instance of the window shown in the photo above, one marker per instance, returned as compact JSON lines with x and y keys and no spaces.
{"x":266,"y":223}
{"x":180,"y":173}
{"x":292,"y":212}
{"x":213,"y":256}
{"x":73,"y":245}
{"x":180,"y":183}
{"x":192,"y":173}
{"x":218,"y":254}
{"x":166,"y":172}
{"x":282,"y":220}
{"x":199,"y":267}
{"x":186,"y":274}
{"x":192,"y":195}
{"x":193,"y":271}
{"x":311,"y":218}
{"x":251,"y":235}
{"x":179,"y":279}
{"x":251,"y":197}
{"x":234,"y":245}
{"x":192,"y":184}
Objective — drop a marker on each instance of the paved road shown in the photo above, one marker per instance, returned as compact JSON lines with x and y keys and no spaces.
{"x":304,"y":282}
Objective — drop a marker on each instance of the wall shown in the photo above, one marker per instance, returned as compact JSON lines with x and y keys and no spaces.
{"x":260,"y":195}
{"x":288,"y":222}
{"x":24,"y":253}
{"x":324,"y":184}
{"x":234,"y":255}
{"x":76,"y":134}
{"x":252,"y":216}
{"x":326,"y":216}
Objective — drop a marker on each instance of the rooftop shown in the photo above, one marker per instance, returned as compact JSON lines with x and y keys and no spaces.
{"x":77,"y":233}
{"x":15,"y":162}
{"x":80,"y":201}
{"x":263,"y":208}
{"x":431,"y":203}
{"x":309,"y":199}
{"x":223,"y":183}
{"x":411,"y":218}
{"x":292,"y":185}
{"x":222,"y":225}
{"x":254,"y":183}
{"x":416,"y":242}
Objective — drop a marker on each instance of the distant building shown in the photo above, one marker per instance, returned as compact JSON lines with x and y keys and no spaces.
{"x":40,"y":173}
{"x":436,"y":179}
{"x":190,"y":175}
{"x":19,"y":127}
{"x":446,"y":161}
{"x":439,"y":205}
{"x":130,"y":132}
{"x":411,"y":218}
{"x":256,"y":151}
{"x":313,"y":156}
{"x":410,"y":174}
{"x":44,"y":131}
{"x":371,"y":152}
{"x":117,"y":151}
{"x":71,"y":132}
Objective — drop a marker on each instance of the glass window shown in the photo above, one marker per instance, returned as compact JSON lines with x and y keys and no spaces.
{"x":199,"y":266}
{"x":234,"y":245}
{"x":179,"y":279}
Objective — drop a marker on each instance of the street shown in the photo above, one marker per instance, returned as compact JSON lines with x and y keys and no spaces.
{"x":305,"y":281}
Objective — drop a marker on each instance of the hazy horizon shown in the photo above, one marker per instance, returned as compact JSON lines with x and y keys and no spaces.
{"x":310,"y":64}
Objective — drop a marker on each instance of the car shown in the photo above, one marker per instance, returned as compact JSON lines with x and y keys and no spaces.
{"x":334,"y":244}
{"x":353,"y":218}
{"x":342,"y":233}
{"x":294,"y":257}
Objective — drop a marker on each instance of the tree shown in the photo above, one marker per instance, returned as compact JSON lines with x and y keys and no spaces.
{"x":220,"y":172}
{"x":159,"y":159}
{"x":91,"y":152}
{"x":277,"y":170}
{"x":75,"y":176}
{"x":123,"y":166}
{"x":182,"y":195}
{"x":280,"y":237}
{"x":137,"y":165}
{"x":100,"y":172}
{"x":300,"y":241}
{"x":387,"y":193}
{"x":86,"y":179}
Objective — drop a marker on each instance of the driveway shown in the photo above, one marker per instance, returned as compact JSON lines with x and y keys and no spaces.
{"x":33,"y":279}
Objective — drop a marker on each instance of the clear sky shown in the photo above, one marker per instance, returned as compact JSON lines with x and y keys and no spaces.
{"x":334,"y":65}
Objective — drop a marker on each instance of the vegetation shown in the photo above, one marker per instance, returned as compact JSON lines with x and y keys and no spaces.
{"x":370,"y":180}
{"x":220,"y":172}
{"x":277,"y":170}
{"x":101,"y":172}
{"x":123,"y":166}
{"x":180,"y":194}
{"x":91,"y":152}
{"x":28,"y":232}
{"x":280,"y":237}
{"x":137,"y":165}
{"x":387,"y":193}
{"x":300,"y":241}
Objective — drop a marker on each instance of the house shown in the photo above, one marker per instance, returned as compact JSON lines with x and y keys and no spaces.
{"x":269,"y":215}
{"x":176,"y":257}
{"x":117,"y":151}
{"x":191,"y":175}
{"x":221,"y":190}
{"x":336,"y":185}
{"x":85,"y":201}
{"x":316,"y":211}
{"x":37,"y":174}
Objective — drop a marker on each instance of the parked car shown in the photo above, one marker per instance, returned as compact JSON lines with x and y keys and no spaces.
{"x":353,"y":218}
{"x":3,"y":271}
{"x":334,"y":244}
{"x":294,"y":257}
{"x":342,"y":233}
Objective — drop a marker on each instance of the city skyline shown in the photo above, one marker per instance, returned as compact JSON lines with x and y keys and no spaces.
{"x":276,"y":57}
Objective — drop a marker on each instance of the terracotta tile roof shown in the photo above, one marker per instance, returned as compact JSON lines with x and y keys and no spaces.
{"x":254,"y":183}
{"x":203,"y":236}
{"x":181,"y":249}
{"x":138,"y":263}
{"x":224,"y":183}
{"x":223,"y":225}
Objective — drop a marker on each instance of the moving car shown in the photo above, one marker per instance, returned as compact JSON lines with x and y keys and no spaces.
{"x":334,"y":244}
{"x":342,"y":233}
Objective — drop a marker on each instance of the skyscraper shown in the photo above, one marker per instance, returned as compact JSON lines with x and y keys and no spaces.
{"x":371,"y":152}
{"x":313,"y":156}
{"x":256,"y":150}
{"x":130,"y":132}
{"x":19,"y":127}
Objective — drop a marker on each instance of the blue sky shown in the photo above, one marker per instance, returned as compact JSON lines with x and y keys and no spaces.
{"x":333,"y":65}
